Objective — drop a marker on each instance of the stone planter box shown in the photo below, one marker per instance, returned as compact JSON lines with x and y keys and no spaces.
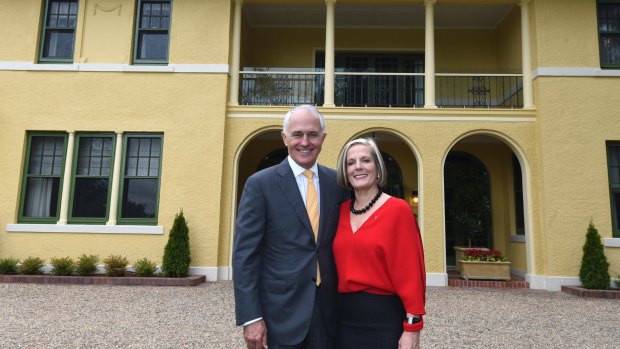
{"x":458,"y":252}
{"x":485,"y":270}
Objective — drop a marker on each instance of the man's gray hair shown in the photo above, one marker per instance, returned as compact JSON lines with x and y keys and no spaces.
{"x":312,"y":109}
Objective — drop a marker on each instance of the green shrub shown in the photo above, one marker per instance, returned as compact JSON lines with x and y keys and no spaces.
{"x":594,"y":271}
{"x":87,"y":265}
{"x":32,"y":266}
{"x":8,"y":266}
{"x":176,"y":253}
{"x":144,"y":267}
{"x":115,"y":265}
{"x":62,"y":266}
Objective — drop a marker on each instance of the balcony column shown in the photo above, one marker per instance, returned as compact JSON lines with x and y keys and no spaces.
{"x":235,"y":54}
{"x":66,"y":180}
{"x":528,"y":92}
{"x":116,"y":178}
{"x":429,"y":55}
{"x":330,"y":78}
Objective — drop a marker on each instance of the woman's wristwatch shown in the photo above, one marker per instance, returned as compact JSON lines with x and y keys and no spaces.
{"x":413,"y":319}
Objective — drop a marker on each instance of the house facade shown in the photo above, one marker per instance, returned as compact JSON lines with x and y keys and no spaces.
{"x":117,"y":114}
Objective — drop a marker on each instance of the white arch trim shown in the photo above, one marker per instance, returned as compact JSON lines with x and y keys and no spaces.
{"x":527,"y":192}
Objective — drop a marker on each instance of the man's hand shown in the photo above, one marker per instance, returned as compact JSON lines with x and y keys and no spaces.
{"x":255,"y":335}
{"x":409,"y":340}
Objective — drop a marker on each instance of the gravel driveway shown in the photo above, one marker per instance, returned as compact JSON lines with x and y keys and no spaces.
{"x":58,"y":316}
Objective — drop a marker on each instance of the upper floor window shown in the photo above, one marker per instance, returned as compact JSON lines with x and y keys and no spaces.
{"x":613,"y":165}
{"x":58,"y":31}
{"x":152,"y":32}
{"x":609,"y":32}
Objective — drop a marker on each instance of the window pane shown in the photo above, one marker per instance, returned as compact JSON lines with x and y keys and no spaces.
{"x":63,"y":21}
{"x":45,"y":155}
{"x":41,"y":197}
{"x":90,"y":197}
{"x":153,"y":46}
{"x":143,"y":166}
{"x":132,"y":167}
{"x":58,"y":44}
{"x":610,"y":49}
{"x":155,"y":146}
{"x":64,"y":8}
{"x":95,"y":166}
{"x":53,"y":21}
{"x":154,"y":167}
{"x":616,"y":210}
{"x":145,"y":147}
{"x":139,"y":198}
{"x":54,"y":7}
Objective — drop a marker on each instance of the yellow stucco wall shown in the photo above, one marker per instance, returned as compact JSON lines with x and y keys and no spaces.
{"x":566,"y":33}
{"x":570,"y":157}
{"x":21,"y":19}
{"x":187,"y":108}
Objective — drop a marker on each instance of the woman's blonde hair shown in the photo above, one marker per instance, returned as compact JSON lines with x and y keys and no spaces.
{"x":341,"y":170}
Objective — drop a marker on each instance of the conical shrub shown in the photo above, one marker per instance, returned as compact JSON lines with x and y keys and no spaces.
{"x":177,"y":257}
{"x":594,"y":272}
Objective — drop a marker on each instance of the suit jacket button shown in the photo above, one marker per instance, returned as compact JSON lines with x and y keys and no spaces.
{"x":314,"y":280}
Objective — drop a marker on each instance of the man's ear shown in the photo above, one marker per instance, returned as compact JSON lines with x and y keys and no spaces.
{"x":283,"y":137}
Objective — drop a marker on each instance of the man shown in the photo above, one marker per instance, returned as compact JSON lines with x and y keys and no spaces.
{"x":280,"y":299}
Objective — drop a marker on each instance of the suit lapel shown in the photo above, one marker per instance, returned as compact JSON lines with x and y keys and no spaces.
{"x":288,"y":185}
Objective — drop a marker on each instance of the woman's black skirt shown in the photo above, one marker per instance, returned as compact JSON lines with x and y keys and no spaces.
{"x":370,"y":321}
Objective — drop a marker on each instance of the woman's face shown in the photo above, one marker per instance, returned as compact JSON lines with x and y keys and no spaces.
{"x":361,"y":168}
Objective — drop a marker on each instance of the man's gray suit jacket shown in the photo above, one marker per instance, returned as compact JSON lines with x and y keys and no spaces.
{"x":275,"y":253}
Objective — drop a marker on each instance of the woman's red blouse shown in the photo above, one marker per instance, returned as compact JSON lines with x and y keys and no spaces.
{"x":384,"y":256}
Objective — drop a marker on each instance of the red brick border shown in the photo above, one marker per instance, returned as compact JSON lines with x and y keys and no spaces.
{"x":103,"y":280}
{"x":488,"y":283}
{"x":587,"y":293}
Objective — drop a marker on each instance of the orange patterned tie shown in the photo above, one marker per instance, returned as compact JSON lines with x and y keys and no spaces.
{"x":312,"y":206}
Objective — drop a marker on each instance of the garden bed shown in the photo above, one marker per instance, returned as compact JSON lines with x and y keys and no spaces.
{"x":613,"y":293}
{"x":104,"y":280}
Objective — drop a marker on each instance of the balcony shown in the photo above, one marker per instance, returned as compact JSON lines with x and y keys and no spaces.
{"x":386,"y":55}
{"x":266,"y":86}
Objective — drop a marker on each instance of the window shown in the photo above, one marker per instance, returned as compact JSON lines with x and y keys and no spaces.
{"x":152,"y":32}
{"x":613,"y":164}
{"x":609,"y":32}
{"x":42,"y":178}
{"x":58,"y":32}
{"x":93,"y":170}
{"x":140,"y":184}
{"x":92,"y":178}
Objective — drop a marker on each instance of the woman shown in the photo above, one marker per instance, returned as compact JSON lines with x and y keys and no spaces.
{"x":379,"y":257}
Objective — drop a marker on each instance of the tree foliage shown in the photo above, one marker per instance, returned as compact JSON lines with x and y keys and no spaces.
{"x":177,"y":257}
{"x":594,"y":272}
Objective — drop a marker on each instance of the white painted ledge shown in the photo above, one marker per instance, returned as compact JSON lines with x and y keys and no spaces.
{"x":85,"y":229}
{"x":517,"y":238}
{"x":574,"y":71}
{"x":105,"y":67}
{"x":612,"y":242}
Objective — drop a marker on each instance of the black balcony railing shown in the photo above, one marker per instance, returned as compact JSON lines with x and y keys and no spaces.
{"x":363,"y":89}
{"x":479,"y":91}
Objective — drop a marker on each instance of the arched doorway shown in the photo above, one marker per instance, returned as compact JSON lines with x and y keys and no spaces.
{"x":467,"y":203}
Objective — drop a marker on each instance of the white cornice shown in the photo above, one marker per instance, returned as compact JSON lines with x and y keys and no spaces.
{"x":106,"y":67}
{"x":573,"y":71}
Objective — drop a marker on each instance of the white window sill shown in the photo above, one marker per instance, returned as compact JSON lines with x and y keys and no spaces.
{"x":612,"y":242}
{"x":517,"y":238}
{"x":85,"y":229}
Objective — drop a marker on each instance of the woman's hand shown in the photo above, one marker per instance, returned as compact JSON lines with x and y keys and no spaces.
{"x":409,"y":340}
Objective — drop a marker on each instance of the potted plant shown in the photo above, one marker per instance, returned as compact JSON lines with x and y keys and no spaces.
{"x":484,"y":264}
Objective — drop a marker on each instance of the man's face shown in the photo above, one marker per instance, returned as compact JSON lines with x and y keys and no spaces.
{"x":304,"y":138}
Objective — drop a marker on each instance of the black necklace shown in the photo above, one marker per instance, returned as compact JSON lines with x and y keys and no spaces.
{"x":365,"y":209}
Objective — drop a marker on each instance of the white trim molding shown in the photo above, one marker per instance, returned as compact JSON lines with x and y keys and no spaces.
{"x":551,"y":283}
{"x":109,"y":67}
{"x":573,"y":71}
{"x":436,"y":279}
{"x":612,"y":242}
{"x":85,"y":229}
